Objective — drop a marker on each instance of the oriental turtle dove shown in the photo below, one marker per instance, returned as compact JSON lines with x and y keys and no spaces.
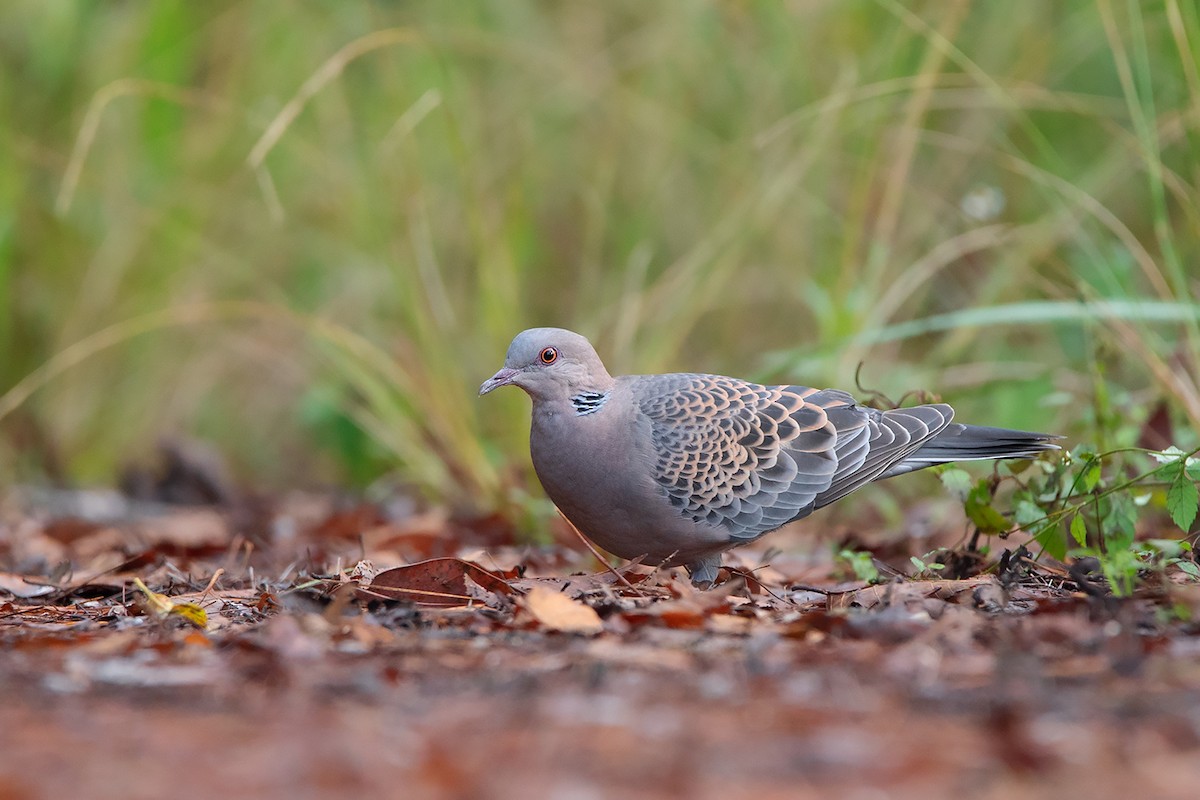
{"x":679,"y":468}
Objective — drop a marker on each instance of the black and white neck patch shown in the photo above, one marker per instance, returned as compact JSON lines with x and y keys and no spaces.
{"x":588,"y":402}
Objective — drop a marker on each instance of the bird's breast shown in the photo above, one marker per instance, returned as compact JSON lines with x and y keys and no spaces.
{"x":598,"y":469}
{"x":590,"y":467}
{"x":578,"y":456}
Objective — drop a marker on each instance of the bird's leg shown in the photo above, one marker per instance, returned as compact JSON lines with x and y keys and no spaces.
{"x":704,"y":572}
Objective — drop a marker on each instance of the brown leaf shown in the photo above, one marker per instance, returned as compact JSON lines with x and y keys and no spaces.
{"x":560,"y":613}
{"x":436,"y":582}
{"x":483,"y":597}
{"x":68,"y":530}
{"x":682,"y":614}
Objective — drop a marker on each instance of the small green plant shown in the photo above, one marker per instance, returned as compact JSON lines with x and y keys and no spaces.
{"x":860,"y":563}
{"x":1086,"y":504}
{"x":926,"y":567}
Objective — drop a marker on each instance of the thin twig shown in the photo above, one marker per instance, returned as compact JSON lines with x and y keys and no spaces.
{"x":212,"y":582}
{"x":596,"y":553}
{"x":748,"y":575}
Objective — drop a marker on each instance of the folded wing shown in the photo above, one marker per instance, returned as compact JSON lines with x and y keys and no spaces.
{"x":751,"y":458}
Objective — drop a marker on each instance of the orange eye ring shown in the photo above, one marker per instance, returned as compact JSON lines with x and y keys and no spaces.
{"x":548,"y":356}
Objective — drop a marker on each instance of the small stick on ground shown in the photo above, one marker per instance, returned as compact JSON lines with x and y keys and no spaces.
{"x":212,"y":582}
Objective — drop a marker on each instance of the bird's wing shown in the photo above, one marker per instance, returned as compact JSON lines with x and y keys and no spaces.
{"x":751,"y":458}
{"x":888,"y":438}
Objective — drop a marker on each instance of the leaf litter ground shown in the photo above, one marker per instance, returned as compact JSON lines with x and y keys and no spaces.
{"x":303,"y":646}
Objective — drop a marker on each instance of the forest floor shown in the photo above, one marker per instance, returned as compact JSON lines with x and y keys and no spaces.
{"x":348,"y":649}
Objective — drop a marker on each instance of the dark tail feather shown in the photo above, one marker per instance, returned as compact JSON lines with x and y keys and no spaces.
{"x":959,"y":442}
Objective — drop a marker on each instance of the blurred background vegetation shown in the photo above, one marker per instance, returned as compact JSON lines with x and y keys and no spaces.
{"x":306,"y":231}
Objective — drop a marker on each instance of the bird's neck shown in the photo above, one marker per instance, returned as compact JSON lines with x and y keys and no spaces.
{"x":578,"y":402}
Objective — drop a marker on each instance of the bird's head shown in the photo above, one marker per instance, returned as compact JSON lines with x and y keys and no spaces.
{"x":550,"y":364}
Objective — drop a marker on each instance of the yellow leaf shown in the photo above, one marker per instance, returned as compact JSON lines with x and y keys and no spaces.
{"x":164,"y":606}
{"x":192,"y":613}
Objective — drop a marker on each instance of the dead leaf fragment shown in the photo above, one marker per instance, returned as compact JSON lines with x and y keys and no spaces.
{"x":163,"y":606}
{"x":560,"y":613}
{"x":19,"y":587}
{"x":436,"y":582}
{"x":912,"y":592}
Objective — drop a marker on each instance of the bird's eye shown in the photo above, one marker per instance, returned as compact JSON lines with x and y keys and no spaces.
{"x":548,"y":355}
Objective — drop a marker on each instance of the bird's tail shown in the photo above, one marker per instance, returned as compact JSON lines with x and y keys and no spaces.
{"x":958,"y":442}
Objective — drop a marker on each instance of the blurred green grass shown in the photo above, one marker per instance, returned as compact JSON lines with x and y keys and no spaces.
{"x":307,"y":231}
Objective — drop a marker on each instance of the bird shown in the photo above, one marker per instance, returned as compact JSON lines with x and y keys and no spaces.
{"x":677,"y":468}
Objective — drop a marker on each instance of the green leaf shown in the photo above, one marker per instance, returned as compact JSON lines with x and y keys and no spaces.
{"x":1171,"y":471}
{"x":1189,"y":567}
{"x":925,"y":566}
{"x":1083,"y":452}
{"x":861,"y":563}
{"x":1183,"y":501}
{"x":1120,"y":567}
{"x":958,"y":481}
{"x":1090,"y":477}
{"x":1051,"y":541}
{"x":1026,"y":512}
{"x":978,"y":507}
{"x":1169,"y":548}
{"x":1079,"y":530}
{"x":1118,"y":521}
{"x":1015,"y":466}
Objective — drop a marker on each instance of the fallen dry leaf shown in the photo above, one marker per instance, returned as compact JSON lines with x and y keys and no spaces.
{"x":436,"y":582}
{"x":19,"y":587}
{"x":164,"y":606}
{"x":897,"y":593}
{"x":560,"y":613}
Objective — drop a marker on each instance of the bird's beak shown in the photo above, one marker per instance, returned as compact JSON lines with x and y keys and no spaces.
{"x":502,"y":378}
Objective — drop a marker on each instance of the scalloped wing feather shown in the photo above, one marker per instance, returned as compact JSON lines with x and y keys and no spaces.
{"x":891,"y":437}
{"x":736,"y":454}
{"x":751,"y":458}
